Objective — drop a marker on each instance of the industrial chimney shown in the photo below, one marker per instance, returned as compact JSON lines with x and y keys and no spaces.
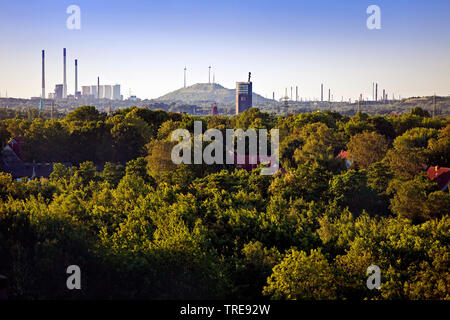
{"x":64,"y":76}
{"x":43,"y":74}
{"x":76,"y":78}
{"x":373,"y":91}
{"x":321,"y":92}
{"x":376,"y":91}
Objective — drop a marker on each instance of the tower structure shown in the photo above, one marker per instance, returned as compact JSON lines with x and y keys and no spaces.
{"x":321,"y":92}
{"x":209,"y":74}
{"x":244,"y":93}
{"x":376,"y":91}
{"x":43,"y":75}
{"x":64,"y":95}
{"x":76,"y":78}
{"x":373,"y":91}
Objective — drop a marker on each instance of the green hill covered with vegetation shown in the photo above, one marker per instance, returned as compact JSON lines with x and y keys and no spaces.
{"x":207,"y":92}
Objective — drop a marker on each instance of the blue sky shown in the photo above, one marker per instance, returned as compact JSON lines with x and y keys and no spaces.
{"x":144,"y":45}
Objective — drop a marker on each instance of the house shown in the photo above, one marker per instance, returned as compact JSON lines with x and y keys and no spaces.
{"x":250,"y":163}
{"x":440,"y":175}
{"x":10,"y":162}
{"x":346,"y":157}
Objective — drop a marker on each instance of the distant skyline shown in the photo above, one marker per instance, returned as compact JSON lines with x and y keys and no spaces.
{"x":145,"y":45}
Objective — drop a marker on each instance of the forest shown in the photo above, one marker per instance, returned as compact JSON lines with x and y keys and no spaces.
{"x":353,"y":192}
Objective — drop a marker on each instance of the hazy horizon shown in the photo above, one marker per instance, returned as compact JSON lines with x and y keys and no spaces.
{"x":145,"y":46}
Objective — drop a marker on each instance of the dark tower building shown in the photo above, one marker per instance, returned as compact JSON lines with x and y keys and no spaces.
{"x":244,"y":94}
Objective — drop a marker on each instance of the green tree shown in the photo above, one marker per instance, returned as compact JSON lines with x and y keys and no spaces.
{"x":86,"y":113}
{"x":138,"y":168}
{"x":112,"y":173}
{"x":302,"y":276}
{"x":59,"y":172}
{"x":4,"y":134}
{"x":367,"y":148}
{"x":345,"y":186}
{"x":418,"y":199}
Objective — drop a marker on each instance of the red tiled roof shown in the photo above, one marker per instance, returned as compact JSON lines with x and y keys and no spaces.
{"x":343,"y":155}
{"x":250,"y":163}
{"x":440,"y":175}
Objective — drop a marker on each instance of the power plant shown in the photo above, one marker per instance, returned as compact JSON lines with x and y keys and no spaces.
{"x":111,"y":92}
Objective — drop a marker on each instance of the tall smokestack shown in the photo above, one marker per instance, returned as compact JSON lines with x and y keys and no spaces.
{"x":43,"y":74}
{"x":98,"y":87}
{"x":64,"y":76}
{"x":329,"y":95}
{"x":76,"y":77}
{"x":376,"y":91}
{"x":373,"y":90}
{"x":296,"y":93}
{"x":321,"y":92}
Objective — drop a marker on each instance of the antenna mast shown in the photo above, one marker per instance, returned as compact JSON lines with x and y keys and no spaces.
{"x":209,"y":74}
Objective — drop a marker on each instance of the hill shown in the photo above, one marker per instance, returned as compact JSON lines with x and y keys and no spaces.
{"x":207,"y":92}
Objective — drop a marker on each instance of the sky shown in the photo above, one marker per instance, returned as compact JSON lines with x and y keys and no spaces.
{"x":145,"y":45}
